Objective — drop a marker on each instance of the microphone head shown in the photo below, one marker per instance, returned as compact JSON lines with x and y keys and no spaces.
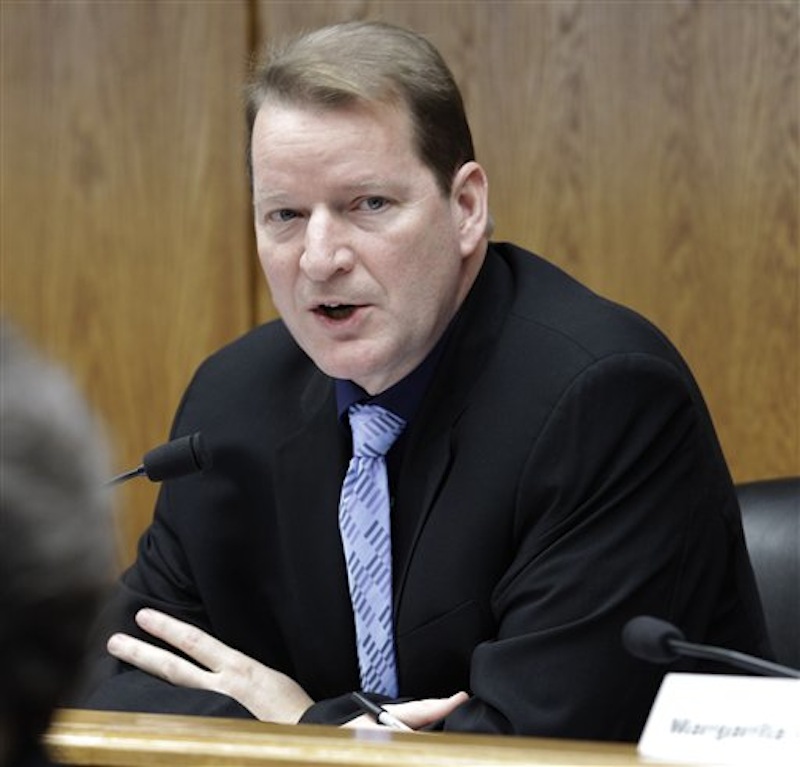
{"x":650,"y":639}
{"x":177,"y":458}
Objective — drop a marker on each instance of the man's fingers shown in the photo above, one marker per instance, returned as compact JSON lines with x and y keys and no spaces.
{"x":363,"y":722}
{"x":415,"y":713}
{"x":419,"y":713}
{"x":189,"y":639}
{"x":157,"y":661}
{"x":268,"y":694}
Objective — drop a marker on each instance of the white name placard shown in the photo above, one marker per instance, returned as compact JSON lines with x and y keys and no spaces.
{"x":720,"y":720}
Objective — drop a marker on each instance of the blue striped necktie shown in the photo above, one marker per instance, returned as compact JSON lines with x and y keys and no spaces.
{"x":365,"y":528}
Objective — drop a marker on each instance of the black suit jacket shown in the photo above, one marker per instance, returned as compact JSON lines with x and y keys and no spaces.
{"x":561,"y":477}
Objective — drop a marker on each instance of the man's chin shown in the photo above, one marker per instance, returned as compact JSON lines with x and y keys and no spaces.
{"x":373,"y":378}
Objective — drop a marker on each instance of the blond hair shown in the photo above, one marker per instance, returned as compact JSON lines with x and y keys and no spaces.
{"x":362,"y":62}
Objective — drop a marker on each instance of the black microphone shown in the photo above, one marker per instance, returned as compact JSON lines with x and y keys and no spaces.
{"x":176,"y":458}
{"x":657,"y":641}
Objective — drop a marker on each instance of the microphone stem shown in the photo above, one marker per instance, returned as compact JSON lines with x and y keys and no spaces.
{"x":756,"y":665}
{"x":125,"y":476}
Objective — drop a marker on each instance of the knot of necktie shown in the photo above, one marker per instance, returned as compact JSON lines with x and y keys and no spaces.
{"x":375,"y":430}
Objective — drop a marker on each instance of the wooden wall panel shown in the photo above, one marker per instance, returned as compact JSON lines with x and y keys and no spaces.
{"x":126,"y":251}
{"x":651,"y":149}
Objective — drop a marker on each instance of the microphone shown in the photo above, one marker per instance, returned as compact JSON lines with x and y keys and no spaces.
{"x":176,"y":458}
{"x":657,"y":641}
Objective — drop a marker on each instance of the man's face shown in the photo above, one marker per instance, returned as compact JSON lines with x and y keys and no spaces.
{"x":366,"y":258}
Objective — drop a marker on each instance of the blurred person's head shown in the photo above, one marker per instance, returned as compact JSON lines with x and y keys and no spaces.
{"x":56,"y":545}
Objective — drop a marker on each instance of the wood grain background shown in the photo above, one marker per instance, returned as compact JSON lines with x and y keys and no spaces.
{"x":652,"y":149}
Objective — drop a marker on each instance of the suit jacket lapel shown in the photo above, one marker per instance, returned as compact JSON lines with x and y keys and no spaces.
{"x":310,"y":467}
{"x":431,"y":447}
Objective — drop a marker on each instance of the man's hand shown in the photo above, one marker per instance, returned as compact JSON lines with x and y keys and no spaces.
{"x":415,"y":713}
{"x":268,"y":694}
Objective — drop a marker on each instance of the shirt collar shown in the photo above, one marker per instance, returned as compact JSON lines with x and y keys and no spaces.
{"x":403,"y":398}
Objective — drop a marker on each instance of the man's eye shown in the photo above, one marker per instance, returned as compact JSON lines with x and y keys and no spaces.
{"x":283,"y":215}
{"x":373,"y":203}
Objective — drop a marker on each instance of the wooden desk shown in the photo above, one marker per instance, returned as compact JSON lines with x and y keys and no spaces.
{"x":111,"y":739}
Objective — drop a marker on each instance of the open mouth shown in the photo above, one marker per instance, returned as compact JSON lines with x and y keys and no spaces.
{"x":336,"y":311}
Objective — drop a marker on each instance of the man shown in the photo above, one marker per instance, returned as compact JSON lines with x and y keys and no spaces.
{"x":555,"y":474}
{"x":55,"y":546}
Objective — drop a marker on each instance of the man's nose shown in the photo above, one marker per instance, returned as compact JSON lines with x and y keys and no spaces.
{"x":327,"y":248}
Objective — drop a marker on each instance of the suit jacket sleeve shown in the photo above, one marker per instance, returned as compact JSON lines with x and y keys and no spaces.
{"x":630,"y":492}
{"x":160,"y":580}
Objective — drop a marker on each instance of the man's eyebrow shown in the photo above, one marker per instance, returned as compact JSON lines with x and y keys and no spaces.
{"x":366,"y":185}
{"x":263,"y":198}
{"x":372,"y":182}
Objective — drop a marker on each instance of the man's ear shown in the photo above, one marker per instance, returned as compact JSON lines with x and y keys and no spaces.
{"x":470,"y":204}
